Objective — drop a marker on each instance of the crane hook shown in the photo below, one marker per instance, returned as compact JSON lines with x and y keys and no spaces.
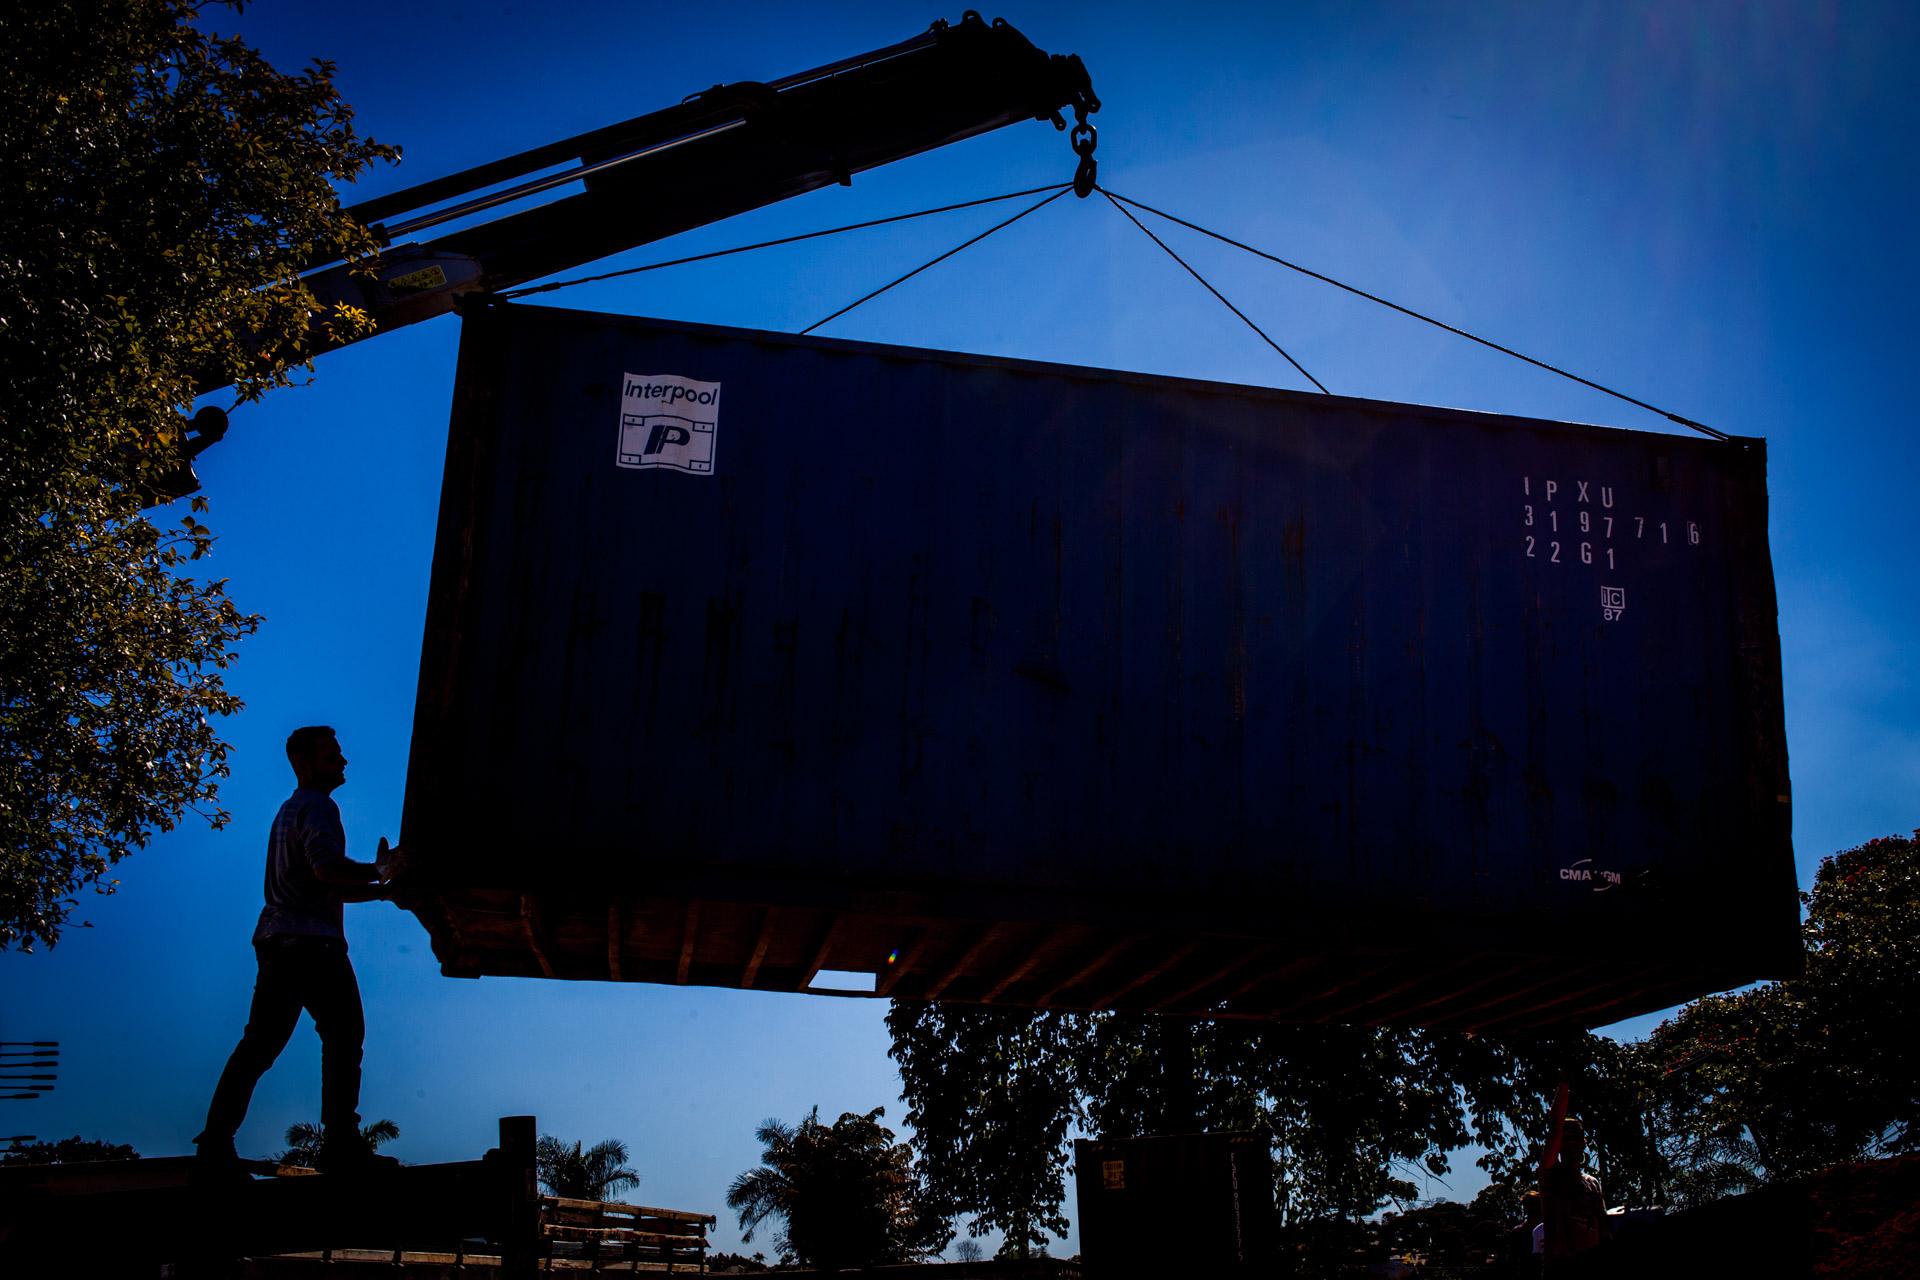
{"x":1084,"y":139}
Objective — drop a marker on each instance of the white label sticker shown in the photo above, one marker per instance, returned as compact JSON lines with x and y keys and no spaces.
{"x":668,"y":421}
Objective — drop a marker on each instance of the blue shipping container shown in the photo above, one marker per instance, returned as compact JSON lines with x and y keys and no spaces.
{"x":753,"y":658}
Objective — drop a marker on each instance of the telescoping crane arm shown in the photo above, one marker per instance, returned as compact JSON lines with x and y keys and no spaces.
{"x":720,"y":152}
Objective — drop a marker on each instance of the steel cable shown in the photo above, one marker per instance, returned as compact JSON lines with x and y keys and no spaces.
{"x":1210,"y":289}
{"x":933,"y":262}
{"x":511,"y":294}
{"x":1701,"y":427}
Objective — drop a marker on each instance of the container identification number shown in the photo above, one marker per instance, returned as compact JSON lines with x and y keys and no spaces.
{"x":1568,"y":522}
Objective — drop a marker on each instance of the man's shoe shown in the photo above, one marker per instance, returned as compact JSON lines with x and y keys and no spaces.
{"x":213,"y":1151}
{"x":353,"y":1155}
{"x":215,"y":1161}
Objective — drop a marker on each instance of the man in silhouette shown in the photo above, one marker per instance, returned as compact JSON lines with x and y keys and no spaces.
{"x":1572,"y":1205}
{"x":302,"y":952}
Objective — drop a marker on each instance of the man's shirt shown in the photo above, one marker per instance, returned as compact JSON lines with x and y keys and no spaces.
{"x":1574,"y":1209}
{"x":307,"y":838}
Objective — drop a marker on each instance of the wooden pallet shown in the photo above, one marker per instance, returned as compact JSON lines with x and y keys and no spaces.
{"x":428,"y":1220}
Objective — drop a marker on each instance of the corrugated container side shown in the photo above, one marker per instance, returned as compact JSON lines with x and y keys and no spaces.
{"x":1028,"y":683}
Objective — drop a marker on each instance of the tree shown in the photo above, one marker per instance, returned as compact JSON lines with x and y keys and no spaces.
{"x":1354,"y":1114}
{"x":1507,"y":1087}
{"x":165,"y":189}
{"x":1734,"y":1091}
{"x":1863,"y":954}
{"x":990,"y":1094}
{"x":846,"y":1193}
{"x":304,"y":1141}
{"x":1500,"y":1202}
{"x":597,"y":1173}
{"x":74,"y":1150}
{"x":1444,"y":1233}
{"x":1350,"y":1110}
{"x":1786,"y":1078}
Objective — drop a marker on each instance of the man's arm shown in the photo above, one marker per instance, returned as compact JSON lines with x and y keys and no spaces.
{"x":339,"y":871}
{"x":326,"y":850}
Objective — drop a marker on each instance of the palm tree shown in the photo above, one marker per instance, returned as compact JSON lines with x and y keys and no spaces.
{"x":846,"y":1193}
{"x":304,"y":1141}
{"x":593,"y":1174}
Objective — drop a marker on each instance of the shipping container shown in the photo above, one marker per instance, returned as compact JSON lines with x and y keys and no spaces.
{"x":754,"y":660}
{"x":1190,"y":1204}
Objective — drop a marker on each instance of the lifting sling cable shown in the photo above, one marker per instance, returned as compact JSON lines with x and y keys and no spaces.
{"x":1119,"y":202}
{"x":511,"y":294}
{"x":1701,"y":427}
{"x":932,"y":262}
{"x":1210,"y":289}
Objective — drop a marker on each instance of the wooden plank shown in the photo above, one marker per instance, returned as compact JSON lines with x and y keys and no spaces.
{"x":624,"y":1235}
{"x":1420,"y":977}
{"x":1020,"y":971}
{"x":402,"y":1265}
{"x":1453,"y":1017}
{"x":590,"y":1232}
{"x":1531,"y":1014}
{"x":1148,"y":974}
{"x":585,"y":1220}
{"x":819,"y":957}
{"x":609,"y":1206}
{"x":1288,"y":970}
{"x":981,"y":942}
{"x":531,"y":926}
{"x":890,"y":978}
{"x":103,"y":1176}
{"x":1085,"y":971}
{"x":689,"y":926}
{"x":761,"y":941}
{"x":1656,"y":991}
{"x":616,"y":941}
{"x":450,"y":919}
{"x":1360,"y":981}
{"x":1216,"y":975}
{"x":1405,"y":1010}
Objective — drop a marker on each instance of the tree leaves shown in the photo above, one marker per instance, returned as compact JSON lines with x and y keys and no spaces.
{"x":1790,"y":1077}
{"x":990,"y":1094}
{"x":846,"y":1193}
{"x":1357,"y":1117}
{"x":305,"y":1139}
{"x":74,"y":1150}
{"x":1733,"y":1092}
{"x":166,"y":189}
{"x":596,"y":1173}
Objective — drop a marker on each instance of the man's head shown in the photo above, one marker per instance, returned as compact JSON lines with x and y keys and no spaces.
{"x":1573,"y":1142}
{"x":314,"y":753}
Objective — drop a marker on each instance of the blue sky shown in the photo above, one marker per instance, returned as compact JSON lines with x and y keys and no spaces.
{"x":1708,"y":205}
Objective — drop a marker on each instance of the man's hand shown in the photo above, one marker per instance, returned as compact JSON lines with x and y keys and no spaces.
{"x":349,"y":880}
{"x":395,"y":875}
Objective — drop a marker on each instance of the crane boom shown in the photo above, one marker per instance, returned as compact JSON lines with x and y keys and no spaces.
{"x":721,"y":152}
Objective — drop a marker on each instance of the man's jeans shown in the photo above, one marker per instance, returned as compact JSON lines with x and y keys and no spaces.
{"x":296,"y":973}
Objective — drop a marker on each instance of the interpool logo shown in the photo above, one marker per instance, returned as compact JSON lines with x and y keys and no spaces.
{"x":671,"y":391}
{"x":668,"y":421}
